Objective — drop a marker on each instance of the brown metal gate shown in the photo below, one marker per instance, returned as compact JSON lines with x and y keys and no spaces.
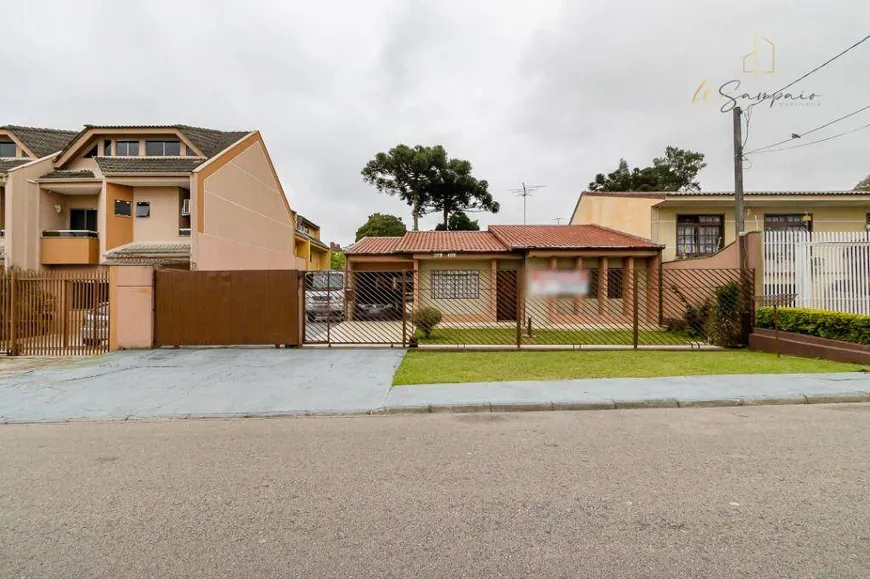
{"x":225,"y":308}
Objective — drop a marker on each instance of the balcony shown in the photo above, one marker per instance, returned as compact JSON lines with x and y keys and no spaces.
{"x":70,"y":247}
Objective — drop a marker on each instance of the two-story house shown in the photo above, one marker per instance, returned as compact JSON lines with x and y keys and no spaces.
{"x":172,"y":194}
{"x":309,"y":248}
{"x":701,"y":223}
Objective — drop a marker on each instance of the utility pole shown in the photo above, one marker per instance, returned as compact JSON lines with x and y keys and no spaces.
{"x":739,"y":225}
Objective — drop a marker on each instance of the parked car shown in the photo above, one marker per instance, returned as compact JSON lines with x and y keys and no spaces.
{"x":324,"y":295}
{"x":369,"y":311}
{"x":95,"y":327}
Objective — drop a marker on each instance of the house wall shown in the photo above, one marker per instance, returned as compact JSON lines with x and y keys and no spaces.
{"x":118,"y":229}
{"x":22,"y":214}
{"x":162,"y":225}
{"x":627,"y":214}
{"x":131,"y":293}
{"x":481,"y":309}
{"x":242,"y":219}
{"x":830,"y":218}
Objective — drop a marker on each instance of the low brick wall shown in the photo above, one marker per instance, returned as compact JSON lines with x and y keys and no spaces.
{"x":793,"y":344}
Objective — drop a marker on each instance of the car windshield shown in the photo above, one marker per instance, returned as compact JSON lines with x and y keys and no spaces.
{"x":325,"y":280}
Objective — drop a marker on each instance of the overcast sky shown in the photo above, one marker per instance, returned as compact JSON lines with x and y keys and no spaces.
{"x":543,"y":91}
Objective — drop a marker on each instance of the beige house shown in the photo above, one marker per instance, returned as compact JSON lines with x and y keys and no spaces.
{"x":477,"y":276}
{"x":174,"y":194}
{"x":700,"y":224}
{"x":309,"y":247}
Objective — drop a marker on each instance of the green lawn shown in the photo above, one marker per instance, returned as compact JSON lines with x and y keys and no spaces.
{"x":508,"y":336}
{"x":421,"y":367}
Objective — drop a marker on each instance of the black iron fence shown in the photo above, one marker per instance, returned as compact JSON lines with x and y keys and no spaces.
{"x":619,"y":307}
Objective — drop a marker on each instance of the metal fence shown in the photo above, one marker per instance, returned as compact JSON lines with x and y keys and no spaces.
{"x":822,"y":270}
{"x":54,"y":313}
{"x":494,"y":308}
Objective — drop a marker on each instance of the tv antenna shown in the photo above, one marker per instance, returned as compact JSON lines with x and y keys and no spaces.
{"x":558,"y":220}
{"x":524,"y":192}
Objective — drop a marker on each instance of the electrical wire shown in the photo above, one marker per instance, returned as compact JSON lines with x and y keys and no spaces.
{"x":821,"y":66}
{"x":867,"y":126}
{"x":819,"y":128}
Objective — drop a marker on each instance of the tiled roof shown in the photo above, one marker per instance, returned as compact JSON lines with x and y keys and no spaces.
{"x":210,"y":141}
{"x":148,"y":164}
{"x":42,"y":141}
{"x":566,"y":237}
{"x":6,"y":164}
{"x":154,"y":252}
{"x":69,"y":175}
{"x":450,"y":241}
{"x":369,"y":245}
{"x":313,"y":240}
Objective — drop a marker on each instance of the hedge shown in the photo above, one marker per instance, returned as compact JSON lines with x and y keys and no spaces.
{"x":832,"y":325}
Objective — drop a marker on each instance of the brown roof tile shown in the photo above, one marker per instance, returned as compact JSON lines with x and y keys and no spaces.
{"x":566,"y":237}
{"x":42,"y":141}
{"x":450,"y":241}
{"x":370,"y":245}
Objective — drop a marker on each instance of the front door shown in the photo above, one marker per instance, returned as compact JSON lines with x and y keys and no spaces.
{"x":506,"y":296}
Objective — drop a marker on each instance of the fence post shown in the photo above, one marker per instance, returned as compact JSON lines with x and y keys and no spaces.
{"x":404,"y":311}
{"x":328,"y":309}
{"x":13,"y":314}
{"x":661,"y":292}
{"x":519,"y":308}
{"x":776,"y":326}
{"x":634,"y":309}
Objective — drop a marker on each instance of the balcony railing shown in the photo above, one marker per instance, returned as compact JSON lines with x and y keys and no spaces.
{"x":69,"y":247}
{"x":70,"y":233}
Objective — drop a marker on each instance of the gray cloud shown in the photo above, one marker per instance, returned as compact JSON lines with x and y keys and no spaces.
{"x":546,"y":92}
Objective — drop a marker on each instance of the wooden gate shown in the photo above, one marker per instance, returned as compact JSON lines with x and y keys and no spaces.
{"x":54,"y":313}
{"x":226,"y":308}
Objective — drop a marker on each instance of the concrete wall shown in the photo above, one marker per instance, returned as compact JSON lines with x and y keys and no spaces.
{"x":131,"y":293}
{"x":481,"y":309}
{"x":845,"y":218}
{"x":162,"y":225}
{"x":241,"y":219}
{"x":23,"y":230}
{"x":628,"y":214}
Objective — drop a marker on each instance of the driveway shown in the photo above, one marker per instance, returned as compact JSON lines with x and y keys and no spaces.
{"x":201,"y":382}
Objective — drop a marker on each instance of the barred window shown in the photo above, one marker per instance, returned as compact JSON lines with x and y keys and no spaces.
{"x":455,"y":284}
{"x":699,"y":234}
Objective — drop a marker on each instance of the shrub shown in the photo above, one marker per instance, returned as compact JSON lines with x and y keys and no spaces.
{"x":831,"y":325}
{"x":694,"y":321}
{"x":425,"y":319}
{"x":723,"y":325}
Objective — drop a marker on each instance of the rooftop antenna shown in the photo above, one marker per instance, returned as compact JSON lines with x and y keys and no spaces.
{"x":558,"y":220}
{"x":524,"y":192}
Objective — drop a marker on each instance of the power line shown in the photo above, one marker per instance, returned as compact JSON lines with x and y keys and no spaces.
{"x":821,"y":66}
{"x":867,"y":126}
{"x":800,"y":135}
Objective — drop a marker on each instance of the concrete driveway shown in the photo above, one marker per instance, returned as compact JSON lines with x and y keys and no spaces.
{"x":201,"y":382}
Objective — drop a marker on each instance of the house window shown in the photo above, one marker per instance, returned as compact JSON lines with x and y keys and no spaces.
{"x":107,"y":148}
{"x":143,"y":209}
{"x":593,"y":283}
{"x":163,"y":148}
{"x":455,"y":284}
{"x":7,"y":149}
{"x":867,"y":222}
{"x":794,"y":222}
{"x":123,"y":208}
{"x":191,"y":152}
{"x":614,"y":283}
{"x":699,"y":234}
{"x":83,"y":219}
{"x":127,"y":148}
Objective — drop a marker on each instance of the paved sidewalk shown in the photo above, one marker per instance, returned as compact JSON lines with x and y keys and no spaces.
{"x":201,"y":382}
{"x":633,"y":392}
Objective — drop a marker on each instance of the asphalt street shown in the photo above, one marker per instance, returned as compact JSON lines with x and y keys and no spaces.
{"x":720,"y":492}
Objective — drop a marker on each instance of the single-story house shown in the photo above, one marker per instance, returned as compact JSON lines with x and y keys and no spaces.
{"x":478,"y":276}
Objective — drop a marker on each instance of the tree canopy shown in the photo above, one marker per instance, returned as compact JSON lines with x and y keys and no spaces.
{"x":863,"y":184}
{"x":429,"y":181}
{"x":676,"y":171}
{"x":381,"y":225}
{"x":336,"y":260}
{"x":459,"y":221}
{"x":408,"y":173}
